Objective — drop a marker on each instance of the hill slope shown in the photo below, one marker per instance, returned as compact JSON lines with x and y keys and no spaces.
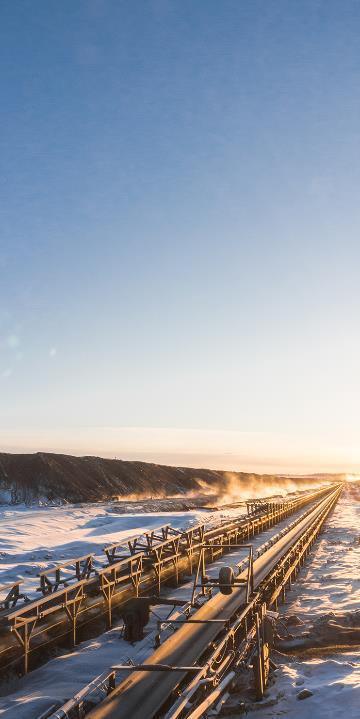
{"x":29,"y":477}
{"x":56,"y":477}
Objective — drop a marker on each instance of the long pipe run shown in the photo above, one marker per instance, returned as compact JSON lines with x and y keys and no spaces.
{"x":141,"y":695}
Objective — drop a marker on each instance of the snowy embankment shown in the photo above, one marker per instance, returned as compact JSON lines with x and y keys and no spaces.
{"x":327,"y":592}
{"x":65,"y":675}
{"x":32,"y":540}
{"x":329,"y":582}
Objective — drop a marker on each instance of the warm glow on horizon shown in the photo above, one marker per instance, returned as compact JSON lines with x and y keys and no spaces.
{"x":180,"y":248}
{"x":258,"y":452}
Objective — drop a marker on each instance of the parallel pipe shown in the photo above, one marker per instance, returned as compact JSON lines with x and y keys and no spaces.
{"x":142,"y":695}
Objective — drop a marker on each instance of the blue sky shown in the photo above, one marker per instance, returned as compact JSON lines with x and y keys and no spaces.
{"x":179,"y":228}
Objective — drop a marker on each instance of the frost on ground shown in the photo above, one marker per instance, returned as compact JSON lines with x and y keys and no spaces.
{"x":329,"y":583}
{"x":65,"y":675}
{"x":327,"y":591}
{"x":32,"y":540}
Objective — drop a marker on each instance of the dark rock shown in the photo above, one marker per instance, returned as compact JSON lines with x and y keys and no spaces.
{"x":304,"y":694}
{"x":294,"y":621}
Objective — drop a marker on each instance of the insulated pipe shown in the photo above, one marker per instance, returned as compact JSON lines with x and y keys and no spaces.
{"x":51,"y":628}
{"x":141,"y":695}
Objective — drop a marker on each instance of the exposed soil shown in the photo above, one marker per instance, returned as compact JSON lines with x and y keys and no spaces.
{"x":63,"y":478}
{"x":327,"y":631}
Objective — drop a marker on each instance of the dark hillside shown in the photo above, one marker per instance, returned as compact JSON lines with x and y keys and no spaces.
{"x":29,"y":477}
{"x":58,"y":477}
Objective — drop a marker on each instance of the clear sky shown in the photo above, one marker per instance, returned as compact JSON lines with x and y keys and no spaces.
{"x":179,"y":248}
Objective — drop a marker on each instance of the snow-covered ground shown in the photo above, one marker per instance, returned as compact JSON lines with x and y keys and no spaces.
{"x":35,"y":539}
{"x":65,"y":675}
{"x":330,"y":582}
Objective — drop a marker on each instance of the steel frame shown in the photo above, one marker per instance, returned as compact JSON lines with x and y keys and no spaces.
{"x":12,"y":595}
{"x":282,"y":574}
{"x":105,"y":683}
{"x":243,"y":635}
{"x":142,"y":543}
{"x":233,"y":644}
{"x":206,"y":584}
{"x":159,"y":556}
{"x":125,"y":570}
{"x":50,"y":579}
{"x":23,"y":621}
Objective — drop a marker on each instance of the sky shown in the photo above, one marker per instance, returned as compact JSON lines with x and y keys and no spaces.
{"x":179,"y":245}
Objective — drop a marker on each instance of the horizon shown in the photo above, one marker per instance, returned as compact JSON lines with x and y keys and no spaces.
{"x":179,"y":255}
{"x":179,"y":357}
{"x":291,"y":475}
{"x":147,"y":446}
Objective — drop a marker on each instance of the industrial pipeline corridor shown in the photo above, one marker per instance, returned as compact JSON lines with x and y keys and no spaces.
{"x":191,"y":607}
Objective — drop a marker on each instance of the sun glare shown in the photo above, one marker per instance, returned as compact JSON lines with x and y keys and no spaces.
{"x":353,"y":477}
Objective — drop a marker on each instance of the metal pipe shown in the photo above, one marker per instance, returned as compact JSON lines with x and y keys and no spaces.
{"x":212,"y":697}
{"x":142,"y":695}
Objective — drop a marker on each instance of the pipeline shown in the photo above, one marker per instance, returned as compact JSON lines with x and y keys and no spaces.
{"x":144,"y":694}
{"x":29,"y":631}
